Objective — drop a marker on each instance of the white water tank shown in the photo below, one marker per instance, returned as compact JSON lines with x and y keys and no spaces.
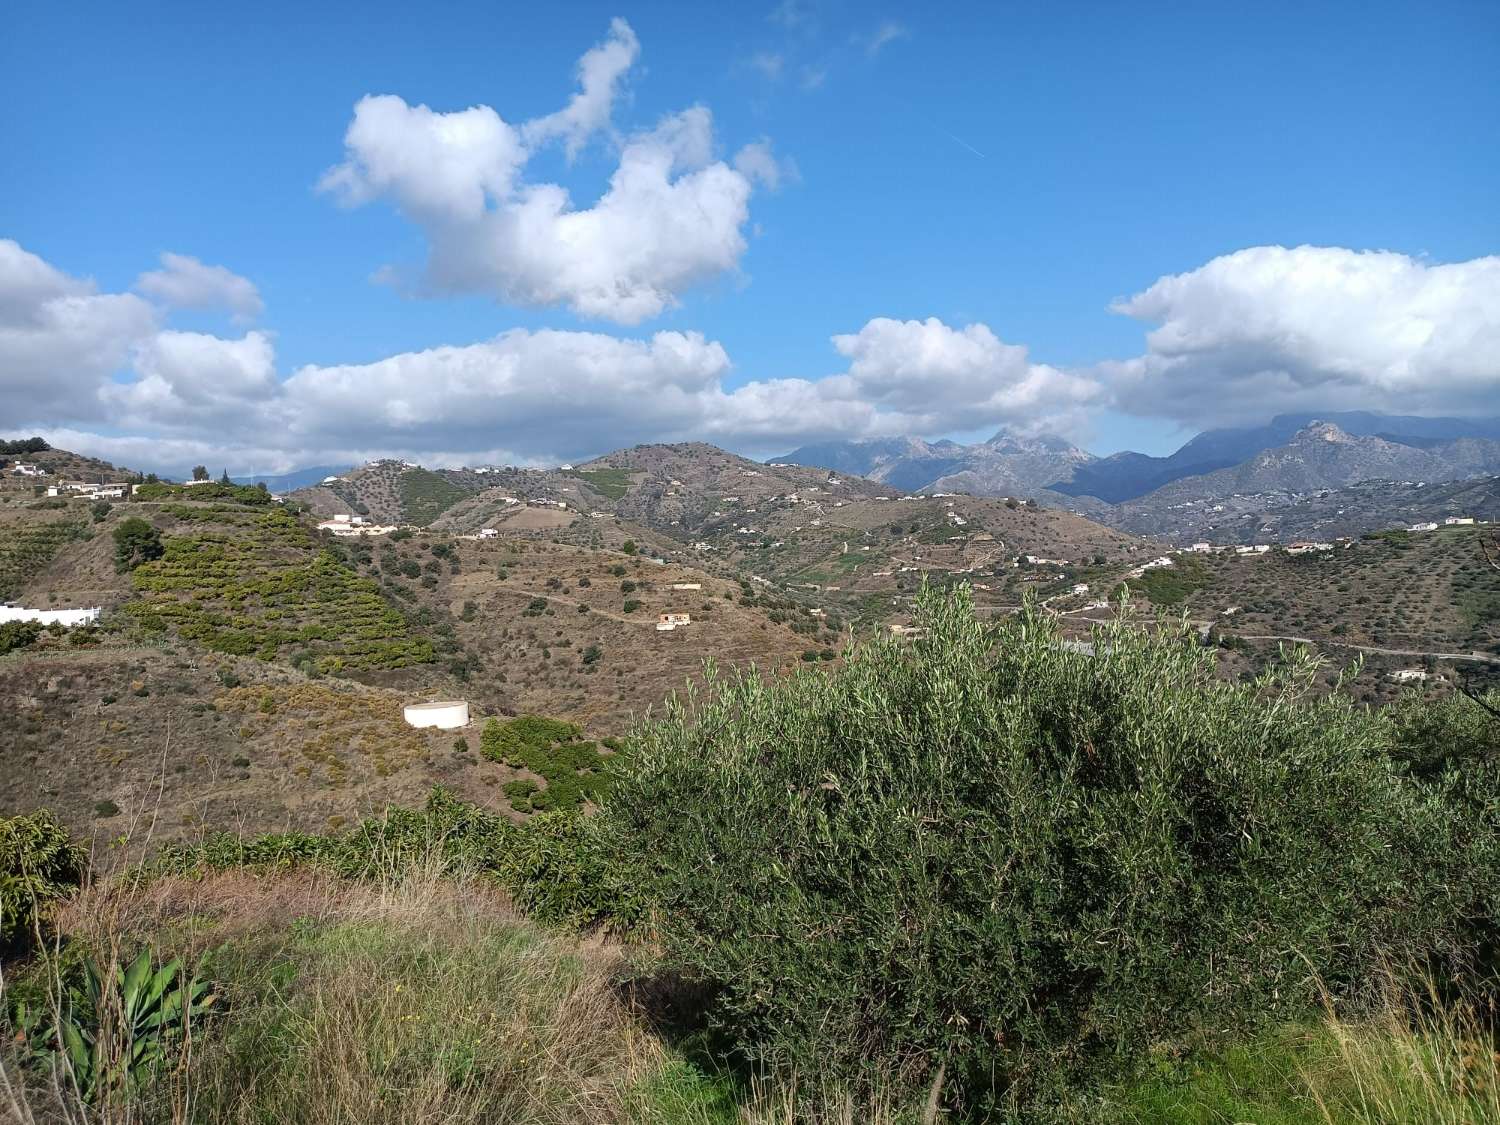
{"x":445,"y":716}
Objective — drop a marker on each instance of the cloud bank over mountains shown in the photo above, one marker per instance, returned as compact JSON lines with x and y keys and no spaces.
{"x":1274,"y":330}
{"x":1263,"y":330}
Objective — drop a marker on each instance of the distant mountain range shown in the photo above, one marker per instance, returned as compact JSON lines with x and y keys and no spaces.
{"x":1233,"y":484}
{"x":1007,"y":464}
{"x":301,"y":478}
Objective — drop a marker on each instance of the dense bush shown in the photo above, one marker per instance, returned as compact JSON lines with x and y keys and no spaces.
{"x":983,"y":851}
{"x":136,"y":542}
{"x":18,"y":634}
{"x":24,"y":445}
{"x":254,"y":495}
{"x":555,"y":751}
{"x":39,"y":864}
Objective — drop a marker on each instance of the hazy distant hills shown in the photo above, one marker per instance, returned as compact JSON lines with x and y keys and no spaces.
{"x":1126,"y":476}
{"x":300,"y":478}
{"x":1230,"y":483}
{"x":1012,"y":465}
{"x":1323,"y":455}
{"x":1279,"y":516}
{"x":1005,"y":465}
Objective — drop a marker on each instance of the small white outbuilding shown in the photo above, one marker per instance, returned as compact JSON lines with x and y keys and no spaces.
{"x":448,"y":715}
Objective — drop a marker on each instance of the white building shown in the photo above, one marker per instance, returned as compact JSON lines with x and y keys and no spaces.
{"x":1410,"y":675}
{"x":1453,"y":520}
{"x":65,"y":617}
{"x":448,"y":715}
{"x":487,"y":533}
{"x":1201,"y":548}
{"x":687,"y":585}
{"x":26,"y":469}
{"x":1422,"y":527}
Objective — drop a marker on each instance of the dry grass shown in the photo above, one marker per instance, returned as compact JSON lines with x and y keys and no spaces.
{"x":427,"y":1000}
{"x":1411,"y":1063}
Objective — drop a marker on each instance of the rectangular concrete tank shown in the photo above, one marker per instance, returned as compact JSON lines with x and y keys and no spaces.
{"x":445,"y":716}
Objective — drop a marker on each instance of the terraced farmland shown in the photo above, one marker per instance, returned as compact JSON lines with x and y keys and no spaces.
{"x":264,"y":587}
{"x":27,"y":548}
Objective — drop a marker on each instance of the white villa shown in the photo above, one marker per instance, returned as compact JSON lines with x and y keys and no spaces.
{"x":64,"y":617}
{"x":345,"y":525}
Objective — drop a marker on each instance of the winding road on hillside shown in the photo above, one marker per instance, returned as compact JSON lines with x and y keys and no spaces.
{"x":1480,"y":657}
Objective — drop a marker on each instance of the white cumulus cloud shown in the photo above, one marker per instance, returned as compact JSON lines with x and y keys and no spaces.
{"x":671,"y":217}
{"x":60,"y":338}
{"x":934,"y":378}
{"x":184,"y":282}
{"x":600,"y":73}
{"x":196,"y":382}
{"x":1270,"y":329}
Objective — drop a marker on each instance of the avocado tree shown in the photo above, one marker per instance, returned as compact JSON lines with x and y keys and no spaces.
{"x":136,"y":542}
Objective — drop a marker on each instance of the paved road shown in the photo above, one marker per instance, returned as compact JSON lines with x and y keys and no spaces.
{"x":1479,"y":656}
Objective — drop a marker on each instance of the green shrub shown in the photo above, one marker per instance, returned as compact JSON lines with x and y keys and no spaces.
{"x":39,"y":864}
{"x":255,"y":496}
{"x":136,"y":542}
{"x":18,"y":634}
{"x":630,"y":606}
{"x":573,"y":768}
{"x":985,"y":851}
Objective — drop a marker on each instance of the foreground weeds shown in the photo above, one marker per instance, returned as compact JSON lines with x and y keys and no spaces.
{"x":427,"y":1000}
{"x":1400,"y":1065}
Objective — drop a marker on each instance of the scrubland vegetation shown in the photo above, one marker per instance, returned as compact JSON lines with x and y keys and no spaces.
{"x":973,"y":876}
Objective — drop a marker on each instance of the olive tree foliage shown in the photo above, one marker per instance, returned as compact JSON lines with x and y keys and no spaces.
{"x":986,"y":852}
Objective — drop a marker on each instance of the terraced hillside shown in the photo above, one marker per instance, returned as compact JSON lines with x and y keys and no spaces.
{"x":1427,"y":592}
{"x":256,"y":582}
{"x":29,"y":543}
{"x":569,"y":630}
{"x":137,"y":745}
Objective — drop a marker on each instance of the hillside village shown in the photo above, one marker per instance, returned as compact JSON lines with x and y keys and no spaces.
{"x":591,"y":593}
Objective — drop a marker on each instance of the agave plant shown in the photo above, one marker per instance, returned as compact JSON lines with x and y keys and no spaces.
{"x":115,"y":1026}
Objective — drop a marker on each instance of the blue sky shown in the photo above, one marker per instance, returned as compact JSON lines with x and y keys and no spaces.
{"x":1013,"y":166}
